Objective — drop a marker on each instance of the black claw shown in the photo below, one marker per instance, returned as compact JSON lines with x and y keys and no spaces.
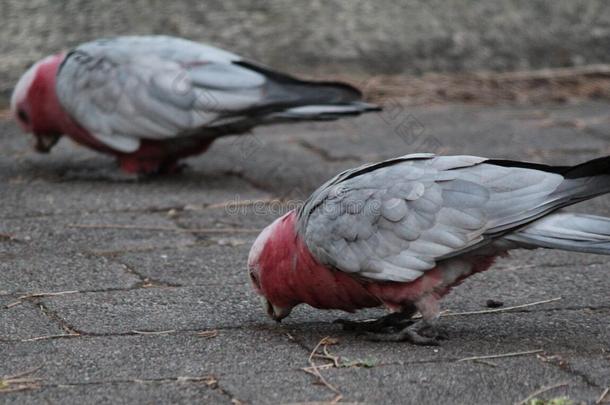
{"x":387,"y":324}
{"x":405,"y":335}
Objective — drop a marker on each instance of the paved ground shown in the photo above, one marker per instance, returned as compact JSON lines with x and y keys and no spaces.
{"x":119,"y":292}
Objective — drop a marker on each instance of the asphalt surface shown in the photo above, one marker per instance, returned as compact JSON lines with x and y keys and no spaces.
{"x":116,"y":291}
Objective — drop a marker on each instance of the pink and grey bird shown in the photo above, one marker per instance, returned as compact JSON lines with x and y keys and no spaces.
{"x":401,"y":233}
{"x":152,"y":100}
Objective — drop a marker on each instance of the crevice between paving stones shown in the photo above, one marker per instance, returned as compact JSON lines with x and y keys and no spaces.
{"x":52,"y":315}
{"x":145,"y":282}
{"x":137,"y":286}
{"x":239,"y":173}
{"x":324,"y":155}
{"x":72,"y":330}
{"x":280,"y":333}
{"x":145,"y":210}
{"x":210,"y":381}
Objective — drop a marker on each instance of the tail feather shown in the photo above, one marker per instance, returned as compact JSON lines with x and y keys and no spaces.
{"x":585,"y":181}
{"x":289,"y":98}
{"x":595,"y":167}
{"x":567,"y":231}
{"x":324,"y":112}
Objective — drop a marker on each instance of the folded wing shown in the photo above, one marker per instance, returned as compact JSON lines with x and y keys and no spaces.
{"x":395,"y":220}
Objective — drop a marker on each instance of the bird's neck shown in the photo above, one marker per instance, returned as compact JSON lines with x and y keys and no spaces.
{"x":296,"y":276}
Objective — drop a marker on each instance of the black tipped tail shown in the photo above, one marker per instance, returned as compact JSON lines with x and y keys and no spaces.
{"x":289,"y":98}
{"x":592,"y":168}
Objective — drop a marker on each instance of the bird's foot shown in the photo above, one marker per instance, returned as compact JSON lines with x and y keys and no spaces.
{"x":150,"y":168}
{"x":173,"y":168}
{"x":433,"y":331}
{"x":386,"y":324}
{"x":417,"y":334}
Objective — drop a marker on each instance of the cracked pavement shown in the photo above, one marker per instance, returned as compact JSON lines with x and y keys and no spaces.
{"x":120,"y":292}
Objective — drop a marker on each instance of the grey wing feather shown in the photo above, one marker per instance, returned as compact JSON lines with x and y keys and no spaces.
{"x":128,"y":88}
{"x":396,"y":219}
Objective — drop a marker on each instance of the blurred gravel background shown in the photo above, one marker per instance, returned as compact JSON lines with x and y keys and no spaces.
{"x":381,"y":37}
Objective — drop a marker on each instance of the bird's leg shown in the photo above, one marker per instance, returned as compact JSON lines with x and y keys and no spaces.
{"x":386,"y":324}
{"x":423,"y":332}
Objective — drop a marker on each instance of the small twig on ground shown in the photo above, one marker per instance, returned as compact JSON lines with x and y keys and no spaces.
{"x":491,"y":311}
{"x":208,"y":380}
{"x":164,"y":228}
{"x":314,"y":369}
{"x":319,"y":367}
{"x":22,"y":374}
{"x":208,"y":333}
{"x":37,"y":338}
{"x":498,"y":356}
{"x":161,"y":332}
{"x":19,"y":381}
{"x":13,"y":304}
{"x":540,"y":391}
{"x":554,"y":73}
{"x":45,"y":294}
{"x":7,"y":236}
{"x":22,"y":298}
{"x":602,"y":396}
{"x":334,"y":359}
{"x":487,"y":363}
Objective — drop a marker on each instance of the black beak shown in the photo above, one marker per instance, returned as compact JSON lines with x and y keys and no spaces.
{"x":44,"y":143}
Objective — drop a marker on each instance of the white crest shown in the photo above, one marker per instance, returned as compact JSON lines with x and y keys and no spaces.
{"x":261,"y":241}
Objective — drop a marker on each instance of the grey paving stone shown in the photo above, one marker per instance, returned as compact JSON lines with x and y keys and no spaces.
{"x":24,"y":321}
{"x":154,"y":309}
{"x":97,"y":233}
{"x":491,"y":132}
{"x":580,"y":333}
{"x":273,"y":164}
{"x":413,"y":374}
{"x":222,"y":305}
{"x":47,"y":272}
{"x":460,"y":383}
{"x":41,"y":198}
{"x":578,"y":285}
{"x":279,"y":387}
{"x":198,"y":281}
{"x":121,"y":393}
{"x":73,"y":179}
{"x":233,"y":215}
{"x":217,"y":262}
{"x":49,"y":196}
{"x":593,"y":368}
{"x":123,"y":358}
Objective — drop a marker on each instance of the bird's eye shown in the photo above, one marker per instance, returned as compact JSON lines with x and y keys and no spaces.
{"x":23,"y":116}
{"x":254,"y":279}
